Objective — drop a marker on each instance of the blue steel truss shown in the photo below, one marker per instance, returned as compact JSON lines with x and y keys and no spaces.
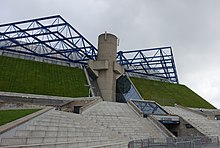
{"x":50,"y":37}
{"x":54,"y":38}
{"x":152,"y":63}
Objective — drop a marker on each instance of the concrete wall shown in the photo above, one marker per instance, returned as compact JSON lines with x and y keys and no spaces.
{"x":182,"y":129}
{"x":29,"y":100}
{"x":69,"y":107}
{"x":39,"y":99}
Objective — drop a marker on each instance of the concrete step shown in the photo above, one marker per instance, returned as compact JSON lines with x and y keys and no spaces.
{"x":120,"y":117}
{"x":129,"y":130}
{"x":59,"y":121}
{"x":75,"y":144}
{"x":33,"y":129}
{"x":44,"y":133}
{"x":34,"y":140}
{"x":63,"y":128}
{"x":64,"y":119}
{"x":112,"y":145}
{"x":67,"y":120}
{"x":111,"y":109}
{"x":106,"y":125}
{"x":73,"y":124}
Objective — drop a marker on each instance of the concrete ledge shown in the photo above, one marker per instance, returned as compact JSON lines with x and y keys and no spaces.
{"x":99,"y":65}
{"x":38,"y":99}
{"x":60,"y":144}
{"x":25,"y":95}
{"x":160,"y":126}
{"x":118,"y":68}
{"x":22,"y":120}
{"x":191,"y":110}
{"x":90,"y":104}
{"x":135,"y":108}
{"x":109,"y":145}
{"x":95,"y":73}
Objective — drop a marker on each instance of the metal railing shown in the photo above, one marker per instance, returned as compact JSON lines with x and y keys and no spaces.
{"x":180,"y":142}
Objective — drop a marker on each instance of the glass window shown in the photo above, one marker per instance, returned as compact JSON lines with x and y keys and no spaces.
{"x":149,"y":107}
{"x":125,"y":90}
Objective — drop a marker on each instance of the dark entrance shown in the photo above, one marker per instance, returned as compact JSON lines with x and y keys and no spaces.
{"x":77,"y":109}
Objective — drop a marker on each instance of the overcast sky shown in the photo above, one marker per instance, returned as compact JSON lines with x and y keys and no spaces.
{"x":191,"y":27}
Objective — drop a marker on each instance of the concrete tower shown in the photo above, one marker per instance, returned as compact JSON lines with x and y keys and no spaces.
{"x":106,"y":68}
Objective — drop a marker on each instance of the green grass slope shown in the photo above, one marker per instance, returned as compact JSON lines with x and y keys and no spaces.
{"x":7,"y":116}
{"x":24,"y":76}
{"x":169,"y":94}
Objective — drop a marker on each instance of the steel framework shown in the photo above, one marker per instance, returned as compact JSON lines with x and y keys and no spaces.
{"x":50,"y":37}
{"x":54,"y":38}
{"x":153,"y":63}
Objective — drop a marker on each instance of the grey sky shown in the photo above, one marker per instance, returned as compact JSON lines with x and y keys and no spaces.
{"x":191,"y":27}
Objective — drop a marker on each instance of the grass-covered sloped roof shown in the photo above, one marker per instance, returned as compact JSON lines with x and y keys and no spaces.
{"x":168,"y":93}
{"x":25,"y":76}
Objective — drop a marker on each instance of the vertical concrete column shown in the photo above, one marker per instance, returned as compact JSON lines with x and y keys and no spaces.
{"x":107,"y":47}
{"x":107,"y":50}
{"x":106,"y":68}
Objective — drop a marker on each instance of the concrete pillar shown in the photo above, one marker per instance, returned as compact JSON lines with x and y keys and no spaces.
{"x":106,"y":68}
{"x":107,"y":47}
{"x":107,"y":50}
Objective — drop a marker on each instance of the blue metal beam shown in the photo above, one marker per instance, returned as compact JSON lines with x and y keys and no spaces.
{"x":154,"y":62}
{"x":53,"y":37}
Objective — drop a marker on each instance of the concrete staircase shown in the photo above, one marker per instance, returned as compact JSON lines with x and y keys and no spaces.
{"x":62,"y":129}
{"x":203,"y":124}
{"x":105,"y":124}
{"x":121,"y":118}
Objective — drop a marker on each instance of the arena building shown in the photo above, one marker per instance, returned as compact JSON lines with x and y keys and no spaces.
{"x":102,"y":106}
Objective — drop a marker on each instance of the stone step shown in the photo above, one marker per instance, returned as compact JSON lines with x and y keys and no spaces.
{"x":129,"y":121}
{"x":63,"y":114}
{"x":64,"y":119}
{"x":50,"y":123}
{"x":127,"y":131}
{"x":101,"y":128}
{"x":42,"y":133}
{"x":45,"y":133}
{"x":78,"y":129}
{"x":76,"y":144}
{"x":47,"y":124}
{"x":112,"y":145}
{"x":121,"y":118}
{"x":62,"y":128}
{"x":34,"y":140}
{"x":67,"y":120}
{"x":50,"y":120}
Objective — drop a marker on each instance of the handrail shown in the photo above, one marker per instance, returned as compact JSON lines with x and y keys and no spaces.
{"x":89,"y":83}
